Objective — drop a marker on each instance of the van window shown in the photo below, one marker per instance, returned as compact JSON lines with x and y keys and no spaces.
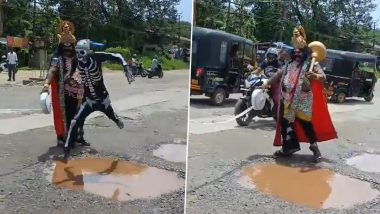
{"x":223,"y":52}
{"x":234,"y":55}
{"x":241,"y":51}
{"x":248,"y":53}
{"x":194,"y":47}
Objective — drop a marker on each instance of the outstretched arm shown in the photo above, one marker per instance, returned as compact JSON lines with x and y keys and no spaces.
{"x":113,"y":57}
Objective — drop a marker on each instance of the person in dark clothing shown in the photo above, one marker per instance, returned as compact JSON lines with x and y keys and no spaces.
{"x":65,"y":84}
{"x":271,"y":59}
{"x":96,"y":96}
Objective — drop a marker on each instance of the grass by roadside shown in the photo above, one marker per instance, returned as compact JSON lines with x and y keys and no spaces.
{"x":25,"y":68}
{"x":166,"y":64}
{"x":146,"y":59}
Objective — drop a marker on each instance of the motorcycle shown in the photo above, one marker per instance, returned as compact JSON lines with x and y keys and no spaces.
{"x":3,"y":65}
{"x":139,"y":70}
{"x":156,"y":72}
{"x":255,"y":101}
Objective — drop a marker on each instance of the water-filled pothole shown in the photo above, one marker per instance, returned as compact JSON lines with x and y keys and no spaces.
{"x":119,"y":180}
{"x":171,"y":152}
{"x":315,"y":188}
{"x":365,"y":162}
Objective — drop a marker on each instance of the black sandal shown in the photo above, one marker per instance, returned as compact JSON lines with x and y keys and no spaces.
{"x":83,"y":142}
{"x":281,"y":153}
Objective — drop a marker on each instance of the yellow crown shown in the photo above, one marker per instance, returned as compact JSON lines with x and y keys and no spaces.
{"x":66,"y":32}
{"x":299,"y":37}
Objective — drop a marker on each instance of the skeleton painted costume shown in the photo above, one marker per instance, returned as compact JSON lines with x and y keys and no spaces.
{"x":96,"y":97}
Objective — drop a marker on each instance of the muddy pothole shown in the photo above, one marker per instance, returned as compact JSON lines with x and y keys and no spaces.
{"x":171,"y":152}
{"x":365,"y":162}
{"x":316,"y":188}
{"x":116,"y":179}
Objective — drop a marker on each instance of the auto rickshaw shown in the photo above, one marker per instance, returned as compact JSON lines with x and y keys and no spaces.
{"x":349,"y":74}
{"x":219,"y":63}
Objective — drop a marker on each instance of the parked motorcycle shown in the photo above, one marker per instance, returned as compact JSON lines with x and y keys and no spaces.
{"x":3,"y":64}
{"x":155,"y":72}
{"x":255,"y":101}
{"x":139,"y":70}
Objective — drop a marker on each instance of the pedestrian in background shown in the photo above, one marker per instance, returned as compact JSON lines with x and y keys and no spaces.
{"x":12,"y":64}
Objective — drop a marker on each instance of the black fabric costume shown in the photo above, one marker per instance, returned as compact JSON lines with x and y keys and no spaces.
{"x":96,"y":97}
{"x":63,"y":69}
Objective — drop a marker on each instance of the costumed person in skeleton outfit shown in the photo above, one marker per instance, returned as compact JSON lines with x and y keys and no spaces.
{"x":66,"y":90}
{"x":96,"y":97}
{"x":303,"y":115}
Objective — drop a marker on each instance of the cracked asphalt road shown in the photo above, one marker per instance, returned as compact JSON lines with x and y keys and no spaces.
{"x":219,"y":149}
{"x":154,"y":113}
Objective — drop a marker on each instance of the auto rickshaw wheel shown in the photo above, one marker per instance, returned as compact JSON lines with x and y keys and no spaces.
{"x":369,"y":98}
{"x":218,"y":96}
{"x":341,"y":97}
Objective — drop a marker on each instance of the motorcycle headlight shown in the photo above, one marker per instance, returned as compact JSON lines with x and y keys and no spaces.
{"x":247,"y":84}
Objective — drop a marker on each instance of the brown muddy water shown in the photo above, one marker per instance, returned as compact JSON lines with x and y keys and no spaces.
{"x":115,"y":179}
{"x":316,"y":188}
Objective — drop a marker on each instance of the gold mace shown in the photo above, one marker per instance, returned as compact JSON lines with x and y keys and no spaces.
{"x":318,"y":53}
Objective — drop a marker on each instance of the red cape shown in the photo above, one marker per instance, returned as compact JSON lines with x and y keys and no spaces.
{"x":57,"y":113}
{"x":322,"y":124}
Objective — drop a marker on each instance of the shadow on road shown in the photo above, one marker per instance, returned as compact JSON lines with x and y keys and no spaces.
{"x":301,"y":160}
{"x":58,"y":151}
{"x":265,"y":125}
{"x":204,"y":103}
{"x":297,"y":160}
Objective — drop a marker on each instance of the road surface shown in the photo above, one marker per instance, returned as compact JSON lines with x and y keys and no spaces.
{"x":154,"y":113}
{"x":219,"y":151}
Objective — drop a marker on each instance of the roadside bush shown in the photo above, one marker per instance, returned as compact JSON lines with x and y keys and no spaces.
{"x":113,"y":66}
{"x":146,"y":59}
{"x":125,"y":52}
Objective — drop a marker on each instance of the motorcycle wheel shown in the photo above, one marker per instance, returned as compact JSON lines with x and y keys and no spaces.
{"x":240,"y":106}
{"x":161,"y":74}
{"x":143,"y":74}
{"x":150,"y":76}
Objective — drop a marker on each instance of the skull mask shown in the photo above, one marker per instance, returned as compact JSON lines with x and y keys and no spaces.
{"x":82,"y":49}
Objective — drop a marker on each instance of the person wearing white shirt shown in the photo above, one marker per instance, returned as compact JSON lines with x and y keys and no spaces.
{"x":12,"y":65}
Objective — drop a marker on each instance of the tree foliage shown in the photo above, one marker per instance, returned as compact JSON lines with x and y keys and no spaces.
{"x":338,"y":23}
{"x":117,"y":22}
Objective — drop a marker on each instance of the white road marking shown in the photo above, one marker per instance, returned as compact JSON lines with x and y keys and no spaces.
{"x":34,"y":121}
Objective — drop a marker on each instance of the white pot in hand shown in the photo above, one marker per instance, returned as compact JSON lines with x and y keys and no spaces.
{"x":45,"y":102}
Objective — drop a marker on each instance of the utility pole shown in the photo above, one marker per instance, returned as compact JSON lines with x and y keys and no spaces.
{"x":194,"y":12}
{"x":228,"y":16}
{"x":374,"y":36}
{"x":283,"y":17}
{"x":88,"y":21}
{"x":241,"y":20}
{"x":1,"y":18}
{"x":34,"y":17}
{"x":179,"y":30}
